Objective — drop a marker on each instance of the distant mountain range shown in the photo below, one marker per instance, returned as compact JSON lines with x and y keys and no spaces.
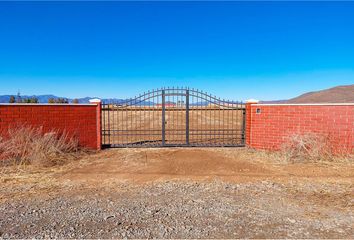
{"x":339,"y":94}
{"x":343,"y":94}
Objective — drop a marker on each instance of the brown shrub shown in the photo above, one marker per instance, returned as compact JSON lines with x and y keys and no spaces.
{"x":28,"y":145}
{"x":312,"y":147}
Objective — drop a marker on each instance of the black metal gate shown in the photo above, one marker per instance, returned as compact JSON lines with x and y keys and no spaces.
{"x":173,"y":117}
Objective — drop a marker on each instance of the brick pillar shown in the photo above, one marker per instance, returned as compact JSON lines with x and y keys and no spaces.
{"x":248,"y":128}
{"x":98,"y":122}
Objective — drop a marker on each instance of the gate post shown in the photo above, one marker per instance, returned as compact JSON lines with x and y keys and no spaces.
{"x":98,"y":122}
{"x":249,"y":121}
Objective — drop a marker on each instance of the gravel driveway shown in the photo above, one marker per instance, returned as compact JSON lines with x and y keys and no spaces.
{"x":179,"y":193}
{"x":176,"y":209}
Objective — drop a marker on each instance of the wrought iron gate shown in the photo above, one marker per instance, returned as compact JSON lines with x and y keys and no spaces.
{"x":173,"y":117}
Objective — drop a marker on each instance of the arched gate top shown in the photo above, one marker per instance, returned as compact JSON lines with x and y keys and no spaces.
{"x":204,"y":98}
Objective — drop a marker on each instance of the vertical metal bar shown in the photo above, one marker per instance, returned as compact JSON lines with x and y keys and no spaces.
{"x":116,"y":136}
{"x":240,"y":126}
{"x":236,"y":121}
{"x":159,"y":100}
{"x":194,"y":116}
{"x":142,"y":117}
{"x":187,"y":117}
{"x":239,"y":119}
{"x":172,"y":127}
{"x":219,"y":133}
{"x":180,"y":119}
{"x":103,"y":122}
{"x":176,"y":117}
{"x":134,"y":128}
{"x":202,"y":111}
{"x":109,"y":124}
{"x":200,"y":107}
{"x":200,"y":117}
{"x":232,"y":120}
{"x":151,"y":117}
{"x":116,"y":127}
{"x":147,"y":113}
{"x":157,"y":112}
{"x":177,"y":121}
{"x":122,"y":109}
{"x":163,"y":118}
{"x":127,"y":121}
{"x":176,"y":138}
{"x":243,"y":126}
{"x":223,"y":121}
{"x":228,"y":122}
{"x":122,"y":123}
{"x":103,"y":113}
{"x":194,"y":123}
{"x":138,"y":115}
{"x":212,"y":119}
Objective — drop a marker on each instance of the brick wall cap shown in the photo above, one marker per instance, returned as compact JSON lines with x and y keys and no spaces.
{"x":45,"y":104}
{"x":252,"y":101}
{"x":305,"y":104}
{"x":95,"y":100}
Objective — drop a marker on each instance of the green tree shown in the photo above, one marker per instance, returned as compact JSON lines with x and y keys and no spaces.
{"x":63,"y":100}
{"x":58,"y":100}
{"x":12,"y":99}
{"x":27,"y":100}
{"x":34,"y":100}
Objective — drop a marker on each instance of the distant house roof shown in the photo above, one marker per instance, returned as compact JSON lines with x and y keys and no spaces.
{"x":169,"y":104}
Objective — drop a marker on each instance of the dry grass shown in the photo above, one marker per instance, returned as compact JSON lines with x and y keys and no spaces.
{"x":303,"y":148}
{"x":26,"y":145}
{"x":311,"y":147}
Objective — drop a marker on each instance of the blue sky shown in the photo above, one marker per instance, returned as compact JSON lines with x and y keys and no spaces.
{"x":235,"y":50}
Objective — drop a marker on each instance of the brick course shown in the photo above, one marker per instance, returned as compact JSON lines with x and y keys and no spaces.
{"x":78,"y":120}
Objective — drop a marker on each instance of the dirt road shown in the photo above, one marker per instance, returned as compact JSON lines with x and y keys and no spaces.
{"x":179,"y":193}
{"x":232,"y":164}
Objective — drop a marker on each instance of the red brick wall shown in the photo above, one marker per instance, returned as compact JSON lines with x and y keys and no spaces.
{"x":271,"y":127}
{"x":79,"y":120}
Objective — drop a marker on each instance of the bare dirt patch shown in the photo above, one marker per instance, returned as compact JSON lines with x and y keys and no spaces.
{"x":141,"y":165}
{"x":179,"y":193}
{"x":230,"y":164}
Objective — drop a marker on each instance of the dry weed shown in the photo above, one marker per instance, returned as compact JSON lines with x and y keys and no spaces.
{"x":28,"y":145}
{"x":312,"y":147}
